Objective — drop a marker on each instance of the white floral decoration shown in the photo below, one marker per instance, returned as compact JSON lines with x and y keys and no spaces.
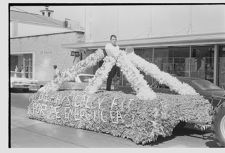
{"x":162,"y":77}
{"x":128,"y":64}
{"x":100,"y":75}
{"x":69,"y":74}
{"x":136,"y":79}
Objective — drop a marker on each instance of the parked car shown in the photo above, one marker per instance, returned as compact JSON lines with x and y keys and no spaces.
{"x":210,"y":91}
{"x":80,"y":82}
{"x":23,"y":83}
{"x":203,"y":87}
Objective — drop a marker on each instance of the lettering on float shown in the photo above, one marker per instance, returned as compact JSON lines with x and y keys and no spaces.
{"x":80,"y":107}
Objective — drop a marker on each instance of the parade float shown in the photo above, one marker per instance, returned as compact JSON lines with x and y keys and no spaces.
{"x":142,"y":117}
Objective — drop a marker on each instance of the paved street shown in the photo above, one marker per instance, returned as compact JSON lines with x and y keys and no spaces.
{"x":27,"y":133}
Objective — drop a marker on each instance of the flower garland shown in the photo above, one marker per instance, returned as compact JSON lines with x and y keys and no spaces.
{"x":131,"y":73}
{"x":69,"y":74}
{"x":162,"y":77}
{"x":144,"y":92}
{"x":90,"y":61}
{"x":128,"y":67}
{"x":100,"y":75}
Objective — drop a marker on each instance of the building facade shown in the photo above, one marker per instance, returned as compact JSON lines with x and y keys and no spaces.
{"x":183,"y":40}
{"x":35,"y":45}
{"x":39,"y":53}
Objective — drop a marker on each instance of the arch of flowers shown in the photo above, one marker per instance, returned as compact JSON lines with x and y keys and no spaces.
{"x":130,"y":65}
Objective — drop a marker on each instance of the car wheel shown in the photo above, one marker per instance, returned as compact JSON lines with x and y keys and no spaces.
{"x":219,"y":125}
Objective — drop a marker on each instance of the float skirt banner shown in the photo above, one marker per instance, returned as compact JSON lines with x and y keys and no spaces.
{"x":119,"y":114}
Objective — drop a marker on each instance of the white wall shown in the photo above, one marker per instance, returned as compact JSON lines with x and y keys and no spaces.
{"x":13,"y":29}
{"x":47,"y":51}
{"x":208,"y":19}
{"x":24,"y":29}
{"x":134,"y":22}
{"x":170,"y":20}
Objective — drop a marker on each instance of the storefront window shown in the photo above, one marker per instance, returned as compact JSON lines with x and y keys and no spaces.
{"x":145,"y":53}
{"x":174,"y":60}
{"x":161,"y":59}
{"x":179,"y":61}
{"x":202,"y":62}
{"x":189,"y":61}
{"x":21,"y":65}
{"x":222,"y":66}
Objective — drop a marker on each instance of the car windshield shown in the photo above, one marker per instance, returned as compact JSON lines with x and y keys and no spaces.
{"x":86,"y":78}
{"x":205,"y":85}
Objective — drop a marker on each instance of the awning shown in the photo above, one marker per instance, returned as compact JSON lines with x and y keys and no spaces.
{"x":184,"y":40}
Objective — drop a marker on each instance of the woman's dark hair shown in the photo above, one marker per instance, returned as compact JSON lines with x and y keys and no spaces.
{"x":112,"y":36}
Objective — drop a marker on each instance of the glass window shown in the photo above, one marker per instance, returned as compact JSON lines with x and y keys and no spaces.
{"x":145,"y":53}
{"x":174,"y":60}
{"x":161,"y":59}
{"x":179,"y":59}
{"x":21,"y":65}
{"x":221,"y":66}
{"x":201,"y":62}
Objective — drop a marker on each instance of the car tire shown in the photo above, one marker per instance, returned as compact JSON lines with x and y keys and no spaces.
{"x":218,"y":125}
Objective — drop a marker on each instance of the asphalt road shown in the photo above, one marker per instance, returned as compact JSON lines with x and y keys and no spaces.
{"x":27,"y":133}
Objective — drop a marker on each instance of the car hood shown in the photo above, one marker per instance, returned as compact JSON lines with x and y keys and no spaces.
{"x":22,"y":80}
{"x":219,"y":93}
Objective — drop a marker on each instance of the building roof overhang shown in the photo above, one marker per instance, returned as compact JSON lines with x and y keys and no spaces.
{"x":182,"y":40}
